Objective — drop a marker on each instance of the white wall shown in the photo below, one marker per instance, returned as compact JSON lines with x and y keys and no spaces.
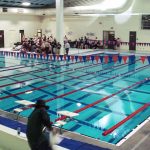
{"x":76,"y":27}
{"x":48,"y":26}
{"x":121,"y":24}
{"x":11,"y":24}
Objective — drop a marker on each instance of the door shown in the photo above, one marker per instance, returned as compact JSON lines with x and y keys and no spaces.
{"x":132,"y":40}
{"x":21,"y":35}
{"x":1,"y":38}
{"x":105,"y":38}
{"x":109,"y":36}
{"x":39,"y":32}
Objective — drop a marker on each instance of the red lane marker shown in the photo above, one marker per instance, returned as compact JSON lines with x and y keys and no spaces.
{"x":42,"y":76}
{"x":101,"y":100}
{"x":55,"y":73}
{"x":34,"y":70}
{"x":46,"y":62}
{"x":90,"y":105}
{"x":23,"y":92}
{"x":62,"y":94}
{"x":23,"y":66}
{"x":18,"y":82}
{"x":27,"y":79}
{"x":61,"y":72}
{"x":38,"y":70}
{"x":40,"y":86}
{"x":110,"y":130}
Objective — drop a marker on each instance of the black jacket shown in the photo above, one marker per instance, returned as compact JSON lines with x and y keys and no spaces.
{"x":38,"y":119}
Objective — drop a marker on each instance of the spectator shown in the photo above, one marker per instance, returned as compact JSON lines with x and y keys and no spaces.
{"x":118,"y":42}
{"x":67,"y":47}
{"x":47,"y":47}
{"x":58,"y":48}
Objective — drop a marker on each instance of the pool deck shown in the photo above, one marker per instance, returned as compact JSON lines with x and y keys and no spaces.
{"x":76,"y":51}
{"x":138,"y":140}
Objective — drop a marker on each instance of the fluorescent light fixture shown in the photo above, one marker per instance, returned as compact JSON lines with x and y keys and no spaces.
{"x":26,"y":3}
{"x":104,"y":5}
{"x":90,"y":15}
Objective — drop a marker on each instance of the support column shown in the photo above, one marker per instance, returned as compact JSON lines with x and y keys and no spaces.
{"x":60,"y":23}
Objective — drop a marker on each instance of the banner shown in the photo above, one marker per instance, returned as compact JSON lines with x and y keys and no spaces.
{"x":125,"y":59}
{"x":101,"y":58}
{"x":72,"y":58}
{"x":94,"y":58}
{"x":143,"y":58}
{"x":106,"y":59}
{"x":115,"y":58}
{"x":84,"y":58}
{"x":119,"y":59}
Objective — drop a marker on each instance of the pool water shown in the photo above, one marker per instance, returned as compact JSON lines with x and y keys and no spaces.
{"x":83,"y":87}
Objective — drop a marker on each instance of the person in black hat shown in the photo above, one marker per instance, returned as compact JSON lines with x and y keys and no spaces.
{"x":38,"y":119}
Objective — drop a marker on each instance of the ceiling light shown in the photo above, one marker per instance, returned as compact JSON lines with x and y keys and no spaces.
{"x":26,"y":4}
{"x":104,"y":5}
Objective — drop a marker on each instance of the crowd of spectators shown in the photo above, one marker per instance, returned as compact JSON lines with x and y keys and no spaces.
{"x":49,"y":45}
{"x":86,"y":43}
{"x":44,"y":44}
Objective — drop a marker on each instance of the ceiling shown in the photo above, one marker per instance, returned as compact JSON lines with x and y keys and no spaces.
{"x":34,"y":3}
{"x":72,"y":3}
{"x":76,"y":7}
{"x":46,"y":3}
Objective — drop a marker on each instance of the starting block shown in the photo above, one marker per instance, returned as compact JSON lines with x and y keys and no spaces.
{"x":24,"y":102}
{"x":60,"y":123}
{"x":18,"y":110}
{"x":67,"y":113}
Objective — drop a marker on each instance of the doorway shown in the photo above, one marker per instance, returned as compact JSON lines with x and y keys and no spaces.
{"x":132,"y":40}
{"x":108,"y":38}
{"x":1,"y":38}
{"x":21,"y":35}
{"x":39,"y":32}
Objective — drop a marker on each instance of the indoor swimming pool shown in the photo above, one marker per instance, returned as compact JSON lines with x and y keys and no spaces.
{"x":103,"y":94}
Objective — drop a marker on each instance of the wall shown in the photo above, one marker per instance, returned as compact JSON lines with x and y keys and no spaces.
{"x":48,"y":26}
{"x":76,"y":27}
{"x":11,"y":24}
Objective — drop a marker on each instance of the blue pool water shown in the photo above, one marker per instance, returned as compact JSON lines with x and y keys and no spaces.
{"x":83,"y":83}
